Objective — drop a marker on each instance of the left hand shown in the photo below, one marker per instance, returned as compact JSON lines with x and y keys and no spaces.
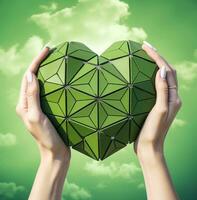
{"x":29,"y":110}
{"x":167,"y":105}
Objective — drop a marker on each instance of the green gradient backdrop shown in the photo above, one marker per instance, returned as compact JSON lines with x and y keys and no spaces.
{"x":171,"y":27}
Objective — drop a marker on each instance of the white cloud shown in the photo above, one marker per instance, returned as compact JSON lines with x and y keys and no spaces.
{"x":73,"y":191}
{"x":50,"y":7}
{"x":9,"y":190}
{"x":187,"y":73}
{"x":187,"y":70}
{"x":16,"y":58}
{"x":7,"y":139}
{"x":178,"y":122}
{"x":95,"y":23}
{"x":113,"y":170}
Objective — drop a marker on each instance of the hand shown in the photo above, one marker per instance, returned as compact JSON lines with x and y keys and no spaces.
{"x":37,"y":123}
{"x":150,"y":142}
{"x":165,"y":109}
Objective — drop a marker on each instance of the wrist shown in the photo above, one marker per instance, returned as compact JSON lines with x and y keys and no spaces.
{"x":50,"y":176}
{"x":56,"y":165}
{"x":56,"y":157}
{"x":150,"y":153}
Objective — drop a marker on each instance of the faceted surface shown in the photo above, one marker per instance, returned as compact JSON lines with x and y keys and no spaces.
{"x":97,"y":103}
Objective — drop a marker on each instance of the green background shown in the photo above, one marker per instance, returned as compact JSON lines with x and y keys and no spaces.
{"x":171,"y":27}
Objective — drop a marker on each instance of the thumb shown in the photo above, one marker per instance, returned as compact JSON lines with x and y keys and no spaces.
{"x":162,"y":90}
{"x":33,"y":99}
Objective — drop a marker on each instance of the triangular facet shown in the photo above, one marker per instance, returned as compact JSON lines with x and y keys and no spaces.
{"x":50,"y":69}
{"x":73,"y":66}
{"x":134,"y":46}
{"x":92,"y":141}
{"x":122,"y":65}
{"x":73,"y":136}
{"x":81,"y":129}
{"x":55,"y":79}
{"x":109,"y":67}
{"x":84,"y":70}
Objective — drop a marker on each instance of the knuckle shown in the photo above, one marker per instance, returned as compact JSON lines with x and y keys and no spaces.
{"x":178,"y":103}
{"x":34,"y":118}
{"x":163,"y":86}
{"x":162,"y":111}
{"x":170,"y":71}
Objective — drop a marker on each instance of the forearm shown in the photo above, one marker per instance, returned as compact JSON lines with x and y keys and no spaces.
{"x":50,"y":177}
{"x":156,"y":175}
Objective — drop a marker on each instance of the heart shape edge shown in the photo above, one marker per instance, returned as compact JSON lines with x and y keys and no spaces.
{"x":50,"y":69}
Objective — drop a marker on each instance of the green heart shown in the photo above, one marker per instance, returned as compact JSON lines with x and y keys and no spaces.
{"x":97,"y":103}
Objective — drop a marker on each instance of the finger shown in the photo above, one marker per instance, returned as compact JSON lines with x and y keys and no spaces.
{"x":175,"y":76}
{"x":173,"y":72}
{"x":33,"y":99}
{"x":171,"y":69}
{"x":22,"y":102}
{"x":36,"y":62}
{"x":151,"y":51}
{"x":161,"y":86}
{"x":161,"y":62}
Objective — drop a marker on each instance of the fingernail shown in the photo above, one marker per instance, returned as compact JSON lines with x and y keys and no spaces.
{"x":149,"y":45}
{"x":163,"y":72}
{"x":47,"y":45}
{"x":29,"y":77}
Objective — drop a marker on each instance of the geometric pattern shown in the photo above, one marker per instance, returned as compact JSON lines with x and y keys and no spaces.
{"x":97,"y":103}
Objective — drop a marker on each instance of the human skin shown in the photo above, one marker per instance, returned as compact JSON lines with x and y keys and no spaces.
{"x":149,"y":146}
{"x":55,"y":156}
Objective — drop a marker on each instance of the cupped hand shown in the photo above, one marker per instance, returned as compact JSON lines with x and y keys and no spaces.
{"x":167,"y":105}
{"x":29,"y":110}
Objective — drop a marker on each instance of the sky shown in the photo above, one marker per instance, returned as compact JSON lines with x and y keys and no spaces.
{"x":26,"y":26}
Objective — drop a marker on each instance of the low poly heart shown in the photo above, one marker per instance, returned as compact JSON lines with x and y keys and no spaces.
{"x":97,"y":104}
